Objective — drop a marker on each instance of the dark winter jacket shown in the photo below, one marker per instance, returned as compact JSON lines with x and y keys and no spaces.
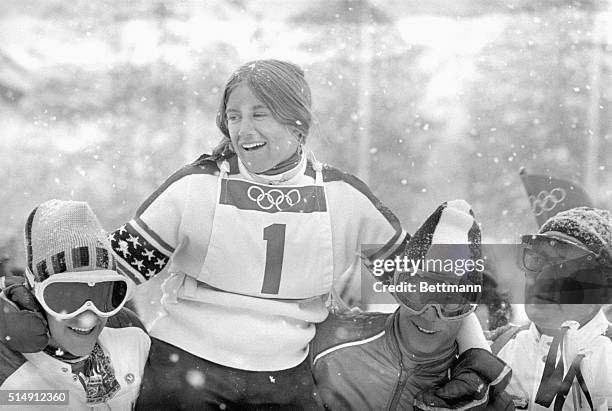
{"x":360,"y":364}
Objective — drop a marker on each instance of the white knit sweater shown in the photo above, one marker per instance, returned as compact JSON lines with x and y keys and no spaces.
{"x":166,"y":244}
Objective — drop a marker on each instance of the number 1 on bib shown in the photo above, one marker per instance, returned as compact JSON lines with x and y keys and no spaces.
{"x":274,"y":235}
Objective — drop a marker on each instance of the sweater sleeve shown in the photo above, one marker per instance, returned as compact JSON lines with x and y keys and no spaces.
{"x":144,"y":245}
{"x":376,"y":230}
{"x":380,"y":235}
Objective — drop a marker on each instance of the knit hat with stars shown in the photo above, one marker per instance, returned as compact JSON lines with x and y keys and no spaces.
{"x":65,"y":236}
{"x":452,"y":234}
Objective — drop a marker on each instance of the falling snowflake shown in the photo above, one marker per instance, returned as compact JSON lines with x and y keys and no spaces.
{"x":195,"y":378}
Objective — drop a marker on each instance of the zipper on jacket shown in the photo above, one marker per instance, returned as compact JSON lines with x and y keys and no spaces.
{"x":399,"y":388}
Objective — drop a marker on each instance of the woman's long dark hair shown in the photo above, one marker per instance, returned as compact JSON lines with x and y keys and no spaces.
{"x":281,"y":86}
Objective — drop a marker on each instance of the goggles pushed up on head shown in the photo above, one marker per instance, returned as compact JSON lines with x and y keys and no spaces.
{"x":66,"y":295}
{"x":450,"y":305}
{"x":566,"y":272}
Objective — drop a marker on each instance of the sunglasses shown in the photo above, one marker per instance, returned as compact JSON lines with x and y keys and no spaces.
{"x":450,"y":306}
{"x":565,"y":272}
{"x":66,"y":295}
{"x":538,"y":251}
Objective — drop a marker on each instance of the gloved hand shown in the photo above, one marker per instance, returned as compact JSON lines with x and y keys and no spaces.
{"x":23,"y":326}
{"x":477,"y":378}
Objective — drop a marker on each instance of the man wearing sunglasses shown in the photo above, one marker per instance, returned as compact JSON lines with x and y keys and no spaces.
{"x":398,"y":361}
{"x":563,"y":361}
{"x":71,"y":274}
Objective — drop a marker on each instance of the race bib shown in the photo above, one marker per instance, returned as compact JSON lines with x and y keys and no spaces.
{"x":270,"y":241}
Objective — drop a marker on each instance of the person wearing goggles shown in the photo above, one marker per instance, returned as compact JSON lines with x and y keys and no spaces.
{"x":562,"y":360}
{"x":95,"y":352}
{"x":78,"y":305}
{"x":414,"y":349}
{"x":67,"y":295}
{"x":432,"y":319}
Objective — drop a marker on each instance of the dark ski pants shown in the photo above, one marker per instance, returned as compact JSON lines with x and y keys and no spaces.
{"x":177,"y":380}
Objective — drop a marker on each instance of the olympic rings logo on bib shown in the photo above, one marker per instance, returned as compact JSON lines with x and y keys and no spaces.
{"x":546,"y":201}
{"x":274,"y":198}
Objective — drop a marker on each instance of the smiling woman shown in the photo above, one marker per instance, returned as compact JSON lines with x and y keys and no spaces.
{"x":260,"y":141}
{"x":245,"y":306}
{"x":265,"y":113}
{"x":252,"y":241}
{"x":71,"y":270}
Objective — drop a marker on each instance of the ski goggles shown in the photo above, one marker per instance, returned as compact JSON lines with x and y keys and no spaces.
{"x":566,"y":272}
{"x":66,"y":295}
{"x":452,"y":301}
